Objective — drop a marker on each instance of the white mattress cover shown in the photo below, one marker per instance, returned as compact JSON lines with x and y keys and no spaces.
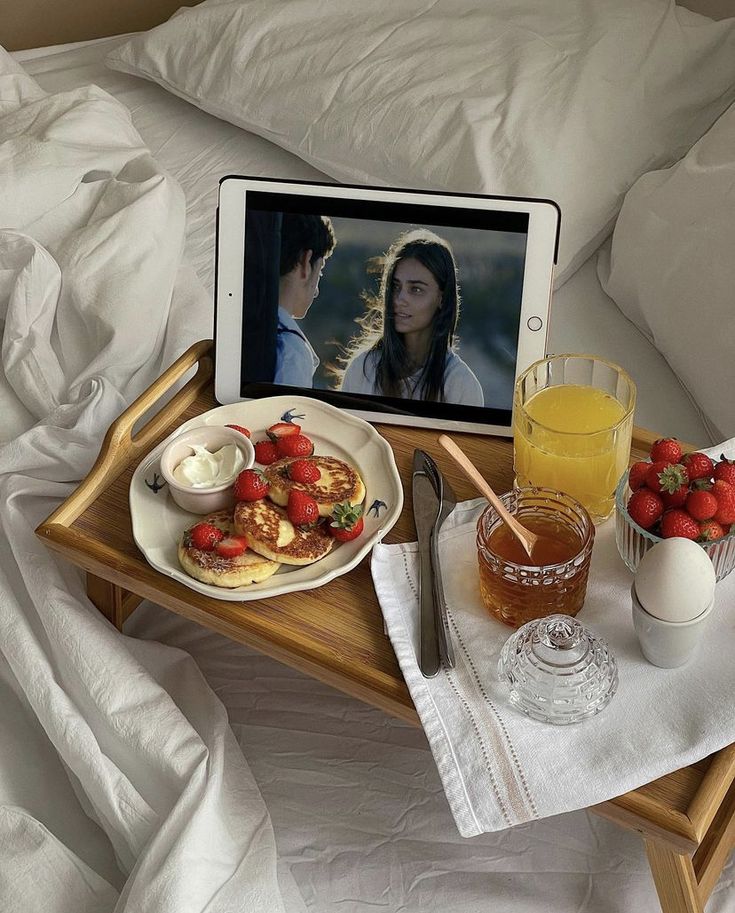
{"x":355,"y":798}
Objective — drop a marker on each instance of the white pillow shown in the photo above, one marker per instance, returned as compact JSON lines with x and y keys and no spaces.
{"x":671,"y":269}
{"x":571,"y":99}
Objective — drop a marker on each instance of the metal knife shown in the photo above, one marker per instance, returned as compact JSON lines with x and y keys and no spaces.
{"x":447,"y":503}
{"x":425,"y":510}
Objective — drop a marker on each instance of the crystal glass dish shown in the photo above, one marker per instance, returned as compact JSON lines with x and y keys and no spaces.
{"x":557,"y":670}
{"x":633,"y":541}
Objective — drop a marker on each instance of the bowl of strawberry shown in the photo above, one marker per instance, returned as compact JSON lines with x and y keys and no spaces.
{"x":677,"y":494}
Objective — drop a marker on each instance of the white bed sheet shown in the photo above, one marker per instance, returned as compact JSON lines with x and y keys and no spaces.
{"x":355,"y":798}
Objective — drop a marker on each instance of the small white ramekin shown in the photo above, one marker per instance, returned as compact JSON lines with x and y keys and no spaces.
{"x":203,"y":500}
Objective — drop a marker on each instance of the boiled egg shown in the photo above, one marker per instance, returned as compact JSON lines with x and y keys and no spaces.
{"x":675,"y":580}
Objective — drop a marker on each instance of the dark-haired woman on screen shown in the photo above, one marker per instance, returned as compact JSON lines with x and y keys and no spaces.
{"x":406,"y":349}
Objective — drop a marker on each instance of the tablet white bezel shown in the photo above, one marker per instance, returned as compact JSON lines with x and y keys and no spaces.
{"x":542,"y":244}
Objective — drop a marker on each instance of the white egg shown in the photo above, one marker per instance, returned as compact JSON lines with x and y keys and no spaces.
{"x":675,"y":580}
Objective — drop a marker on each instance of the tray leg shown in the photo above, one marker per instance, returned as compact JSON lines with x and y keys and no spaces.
{"x":675,"y":879}
{"x":115,"y":603}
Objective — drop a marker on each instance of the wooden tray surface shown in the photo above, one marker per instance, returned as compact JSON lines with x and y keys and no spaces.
{"x":334,"y":633}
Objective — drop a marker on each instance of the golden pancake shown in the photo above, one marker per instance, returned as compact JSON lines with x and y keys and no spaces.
{"x":339,"y":482}
{"x":209,"y":567}
{"x":270,"y":533}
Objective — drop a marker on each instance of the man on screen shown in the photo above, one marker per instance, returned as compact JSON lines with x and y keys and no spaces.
{"x":307,"y":241}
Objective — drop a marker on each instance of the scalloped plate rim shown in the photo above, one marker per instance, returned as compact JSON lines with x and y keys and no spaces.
{"x":270,"y":587}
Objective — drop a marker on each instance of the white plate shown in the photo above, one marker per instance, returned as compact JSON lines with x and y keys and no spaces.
{"x":158,"y":522}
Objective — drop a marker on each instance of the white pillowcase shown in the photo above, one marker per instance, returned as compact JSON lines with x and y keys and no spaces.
{"x":671,"y":269}
{"x":571,"y":99}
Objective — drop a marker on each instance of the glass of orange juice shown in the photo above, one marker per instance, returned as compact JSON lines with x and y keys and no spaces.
{"x":572,"y":427}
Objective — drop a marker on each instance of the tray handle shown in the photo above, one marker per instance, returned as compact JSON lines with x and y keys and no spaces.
{"x":120,"y":445}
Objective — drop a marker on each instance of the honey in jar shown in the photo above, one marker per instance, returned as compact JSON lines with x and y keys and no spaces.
{"x":515,"y":588}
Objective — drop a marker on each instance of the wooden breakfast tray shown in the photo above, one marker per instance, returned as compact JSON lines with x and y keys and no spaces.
{"x":335,"y":633}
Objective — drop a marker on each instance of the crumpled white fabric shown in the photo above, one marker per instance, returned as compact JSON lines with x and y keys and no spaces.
{"x":95,"y":304}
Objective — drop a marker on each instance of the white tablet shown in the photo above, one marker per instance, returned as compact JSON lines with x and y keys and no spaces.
{"x":402,"y":306}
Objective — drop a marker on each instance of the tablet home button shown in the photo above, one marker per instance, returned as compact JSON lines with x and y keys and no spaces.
{"x":534,"y":323}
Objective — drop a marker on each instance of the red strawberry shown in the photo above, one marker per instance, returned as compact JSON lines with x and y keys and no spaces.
{"x":675,"y":498}
{"x":666,"y":448}
{"x":295,"y":445}
{"x":698,"y":466}
{"x":725,"y":494}
{"x":282,"y":429}
{"x":266,"y":453}
{"x":250,"y":485}
{"x":302,"y":509}
{"x":347,"y":522}
{"x":702,"y":505}
{"x":637,"y":474}
{"x":205,"y":536}
{"x":725,"y":470}
{"x":240,"y":429}
{"x":662,"y":476}
{"x":678,"y":523}
{"x":304,"y":471}
{"x":709,"y":530}
{"x":232,"y":546}
{"x":645,"y":507}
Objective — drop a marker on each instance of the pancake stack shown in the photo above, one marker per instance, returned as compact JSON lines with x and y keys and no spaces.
{"x":209,"y":567}
{"x":339,"y":482}
{"x":272,"y":539}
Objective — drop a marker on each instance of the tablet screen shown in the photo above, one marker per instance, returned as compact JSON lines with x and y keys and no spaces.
{"x":382,"y":305}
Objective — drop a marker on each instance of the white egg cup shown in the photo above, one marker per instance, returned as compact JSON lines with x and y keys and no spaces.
{"x":668,"y":644}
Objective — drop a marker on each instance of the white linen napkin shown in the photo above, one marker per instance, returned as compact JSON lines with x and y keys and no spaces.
{"x":500,"y":768}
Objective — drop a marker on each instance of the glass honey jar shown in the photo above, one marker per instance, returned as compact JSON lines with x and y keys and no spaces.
{"x":515,"y":588}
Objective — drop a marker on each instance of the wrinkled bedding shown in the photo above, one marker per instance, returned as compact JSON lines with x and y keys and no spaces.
{"x":360,"y":818}
{"x":96,"y":302}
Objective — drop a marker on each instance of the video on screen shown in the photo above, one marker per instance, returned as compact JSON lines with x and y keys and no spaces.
{"x":385,"y":309}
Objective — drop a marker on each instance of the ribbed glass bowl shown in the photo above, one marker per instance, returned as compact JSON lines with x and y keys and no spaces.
{"x":633,"y":541}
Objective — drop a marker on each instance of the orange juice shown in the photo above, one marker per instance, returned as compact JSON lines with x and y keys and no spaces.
{"x":573,"y":438}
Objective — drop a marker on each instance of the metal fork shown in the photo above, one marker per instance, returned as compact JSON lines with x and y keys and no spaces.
{"x":448,"y":502}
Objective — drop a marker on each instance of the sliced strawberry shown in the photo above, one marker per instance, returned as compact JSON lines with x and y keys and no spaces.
{"x":645,"y":507}
{"x":232,"y":546}
{"x":282,"y":429}
{"x":666,"y":448}
{"x":204,"y":536}
{"x":295,"y":445}
{"x":304,"y":471}
{"x":302,"y":509}
{"x":239,"y":428}
{"x":266,"y":453}
{"x":347,"y":522}
{"x":250,"y":485}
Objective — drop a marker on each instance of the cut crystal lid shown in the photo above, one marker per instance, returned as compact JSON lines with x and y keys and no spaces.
{"x":557,"y":670}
